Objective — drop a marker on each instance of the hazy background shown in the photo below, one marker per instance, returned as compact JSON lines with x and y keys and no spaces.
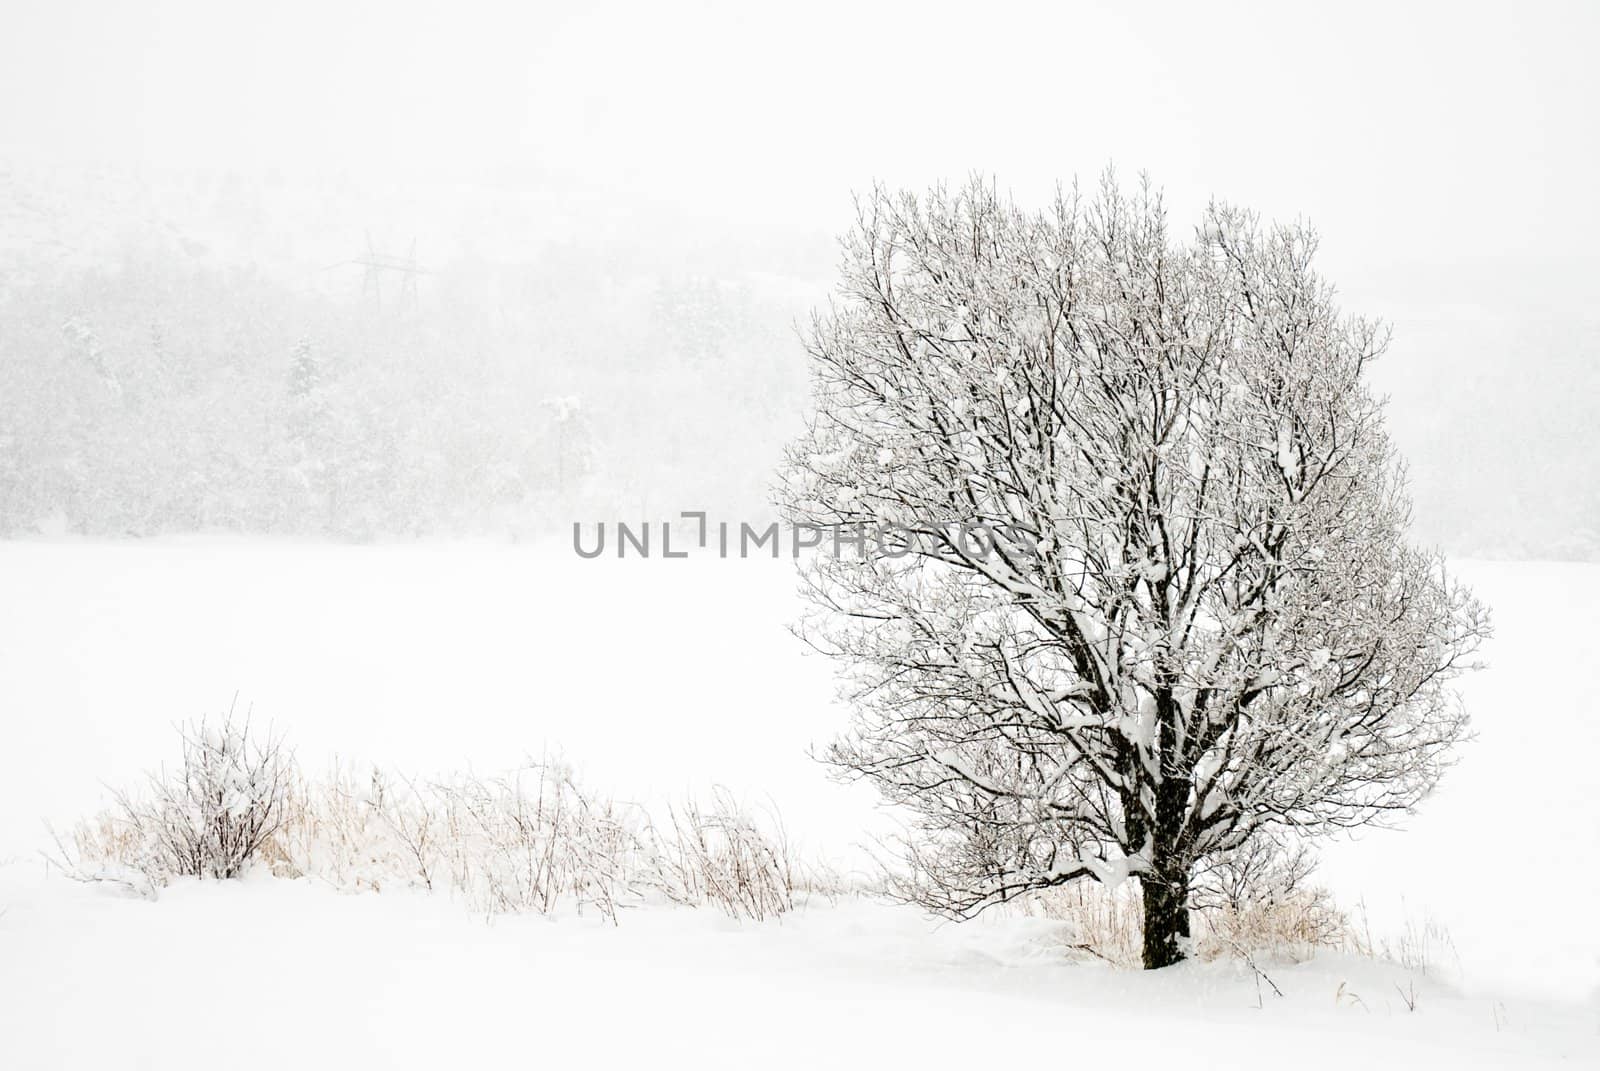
{"x":623,"y":209}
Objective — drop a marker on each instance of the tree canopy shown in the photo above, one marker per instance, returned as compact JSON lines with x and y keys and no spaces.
{"x":1193,"y":618}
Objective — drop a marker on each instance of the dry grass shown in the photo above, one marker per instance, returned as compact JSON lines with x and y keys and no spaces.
{"x":533,"y":840}
{"x":1102,"y":922}
{"x":1287,"y":926}
{"x":1257,"y":904}
{"x":536,"y":840}
{"x":1293,"y":926}
{"x":1423,"y":946}
{"x":721,"y":855}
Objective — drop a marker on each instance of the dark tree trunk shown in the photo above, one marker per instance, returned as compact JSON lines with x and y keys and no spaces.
{"x":1166,"y":917}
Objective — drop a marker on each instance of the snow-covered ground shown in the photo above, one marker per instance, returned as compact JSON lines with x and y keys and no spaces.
{"x":657,"y":677}
{"x":275,"y":974}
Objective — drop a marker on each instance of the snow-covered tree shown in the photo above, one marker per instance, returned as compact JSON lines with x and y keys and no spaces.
{"x":305,"y":372}
{"x":1150,"y":594}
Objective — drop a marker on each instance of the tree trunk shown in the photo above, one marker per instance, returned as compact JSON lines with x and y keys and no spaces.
{"x":1166,"y":917}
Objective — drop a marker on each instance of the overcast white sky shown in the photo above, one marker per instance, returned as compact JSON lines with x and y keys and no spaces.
{"x":1451,"y":130}
{"x":1447,"y":152}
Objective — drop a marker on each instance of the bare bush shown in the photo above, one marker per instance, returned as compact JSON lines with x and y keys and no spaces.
{"x":1258,"y":900}
{"x":719,"y":855}
{"x":533,"y":840}
{"x":208,"y":818}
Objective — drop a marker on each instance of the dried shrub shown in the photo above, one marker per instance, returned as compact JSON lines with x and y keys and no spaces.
{"x":358,"y":831}
{"x":1257,"y":903}
{"x":720,"y":855}
{"x":533,"y":840}
{"x":1101,"y":922}
{"x":210,"y":817}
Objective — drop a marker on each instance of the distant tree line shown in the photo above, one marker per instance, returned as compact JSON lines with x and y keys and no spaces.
{"x":157,"y":396}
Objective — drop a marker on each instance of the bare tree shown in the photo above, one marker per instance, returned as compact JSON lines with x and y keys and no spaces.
{"x":1135,"y":586}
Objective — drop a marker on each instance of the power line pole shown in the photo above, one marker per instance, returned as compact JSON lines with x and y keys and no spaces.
{"x":377,"y":264}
